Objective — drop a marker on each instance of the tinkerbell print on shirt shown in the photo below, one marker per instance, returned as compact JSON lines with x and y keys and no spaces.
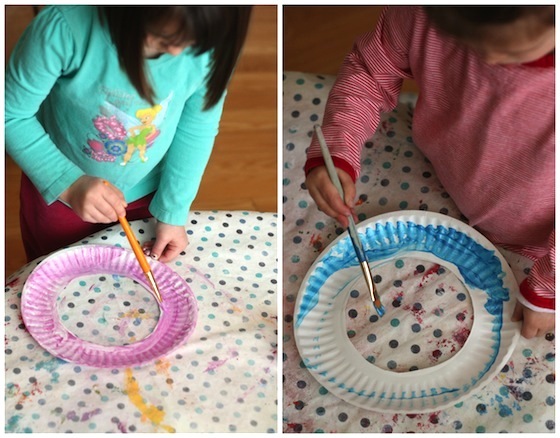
{"x":123,"y":138}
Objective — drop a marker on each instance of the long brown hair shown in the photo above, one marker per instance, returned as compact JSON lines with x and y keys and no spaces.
{"x":219,"y":29}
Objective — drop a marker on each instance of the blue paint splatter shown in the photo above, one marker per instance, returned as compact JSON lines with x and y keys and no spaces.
{"x":51,"y":366}
{"x":13,"y":423}
{"x":505,"y":411}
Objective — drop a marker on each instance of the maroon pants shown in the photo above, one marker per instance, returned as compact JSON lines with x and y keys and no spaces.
{"x":46,"y":228}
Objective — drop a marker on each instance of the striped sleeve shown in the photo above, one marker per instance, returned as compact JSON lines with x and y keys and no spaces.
{"x":367,"y":85}
{"x":538,"y":289}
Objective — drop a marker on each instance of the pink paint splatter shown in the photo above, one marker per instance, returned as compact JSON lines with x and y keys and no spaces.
{"x":460,"y":336}
{"x":121,"y":426}
{"x":27,"y":395}
{"x":438,"y":311}
{"x":87,"y":415}
{"x":316,"y":242}
{"x":214,"y":365}
{"x":13,"y":283}
{"x":417,"y":311}
{"x":427,"y":274}
{"x":72,"y":416}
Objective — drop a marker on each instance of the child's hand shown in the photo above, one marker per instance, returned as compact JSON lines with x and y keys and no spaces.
{"x":94,"y":201}
{"x":170,"y":241}
{"x":534,"y":323}
{"x":326,"y":196}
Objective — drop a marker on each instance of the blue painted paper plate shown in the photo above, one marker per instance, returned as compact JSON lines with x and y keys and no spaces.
{"x":333,"y":360}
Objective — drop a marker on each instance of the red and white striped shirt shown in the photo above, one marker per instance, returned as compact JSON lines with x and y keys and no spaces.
{"x":488,"y":130}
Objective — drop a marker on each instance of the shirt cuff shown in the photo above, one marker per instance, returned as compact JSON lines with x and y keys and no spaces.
{"x":530,"y":298}
{"x":340,"y":163}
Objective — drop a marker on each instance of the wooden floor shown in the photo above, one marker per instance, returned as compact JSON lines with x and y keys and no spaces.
{"x":242,"y":173}
{"x":316,"y":38}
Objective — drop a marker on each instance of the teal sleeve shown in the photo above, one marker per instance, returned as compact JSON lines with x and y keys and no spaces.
{"x":45,"y":52}
{"x":186,"y":160}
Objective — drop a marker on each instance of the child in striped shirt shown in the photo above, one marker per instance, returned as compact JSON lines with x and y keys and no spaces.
{"x":484,"y":118}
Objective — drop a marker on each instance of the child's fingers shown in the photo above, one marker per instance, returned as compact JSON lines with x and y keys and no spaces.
{"x":348,"y":187}
{"x":327,"y":197}
{"x":324,"y":200}
{"x":163,"y":252}
{"x":158,"y":249}
{"x":147,"y":247}
{"x":535,"y":324}
{"x":335,"y":202}
{"x":103,"y":213}
{"x":114,"y":199}
{"x":333,"y":206}
{"x":529,"y":331}
{"x":517,"y":312}
{"x":169,"y":253}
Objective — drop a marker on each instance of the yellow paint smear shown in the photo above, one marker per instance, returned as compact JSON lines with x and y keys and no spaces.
{"x":148,"y":411}
{"x":136,"y":314}
{"x":162,"y":366}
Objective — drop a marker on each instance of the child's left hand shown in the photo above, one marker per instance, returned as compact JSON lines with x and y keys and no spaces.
{"x":534,"y":323}
{"x":170,"y":241}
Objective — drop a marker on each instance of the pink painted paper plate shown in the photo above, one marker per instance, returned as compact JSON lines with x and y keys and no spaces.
{"x":178,"y":311}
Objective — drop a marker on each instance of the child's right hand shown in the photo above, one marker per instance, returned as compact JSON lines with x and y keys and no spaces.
{"x":94,"y":201}
{"x":534,"y":323}
{"x":326,"y":196}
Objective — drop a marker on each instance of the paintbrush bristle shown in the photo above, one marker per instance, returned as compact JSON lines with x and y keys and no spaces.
{"x":379,"y":308}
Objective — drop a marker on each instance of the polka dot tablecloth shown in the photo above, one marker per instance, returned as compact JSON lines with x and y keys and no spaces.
{"x":429,"y":314}
{"x":222,"y":379}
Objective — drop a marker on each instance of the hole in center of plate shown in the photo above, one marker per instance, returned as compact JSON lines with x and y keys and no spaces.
{"x":428,"y":317}
{"x":110,"y":310}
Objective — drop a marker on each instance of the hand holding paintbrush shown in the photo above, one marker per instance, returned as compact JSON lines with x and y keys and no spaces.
{"x":140,"y":256}
{"x":351,"y":225}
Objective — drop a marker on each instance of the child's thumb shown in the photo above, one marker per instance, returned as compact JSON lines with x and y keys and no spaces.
{"x":350,"y":196}
{"x":349,"y":189}
{"x":157,"y":250}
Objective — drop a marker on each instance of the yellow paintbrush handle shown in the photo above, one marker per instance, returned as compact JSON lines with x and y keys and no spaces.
{"x":135,"y":245}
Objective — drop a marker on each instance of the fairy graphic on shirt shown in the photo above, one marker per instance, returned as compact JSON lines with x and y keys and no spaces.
{"x":139,"y":134}
{"x":120,"y":135}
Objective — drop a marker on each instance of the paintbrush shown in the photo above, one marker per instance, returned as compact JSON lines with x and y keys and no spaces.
{"x":356,"y":242}
{"x":139,"y":254}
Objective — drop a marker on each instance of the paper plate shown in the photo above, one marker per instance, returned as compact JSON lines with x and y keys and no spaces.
{"x":319,"y":321}
{"x":178,"y":311}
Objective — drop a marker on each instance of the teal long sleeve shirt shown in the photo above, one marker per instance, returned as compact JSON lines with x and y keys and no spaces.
{"x":70,"y":111}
